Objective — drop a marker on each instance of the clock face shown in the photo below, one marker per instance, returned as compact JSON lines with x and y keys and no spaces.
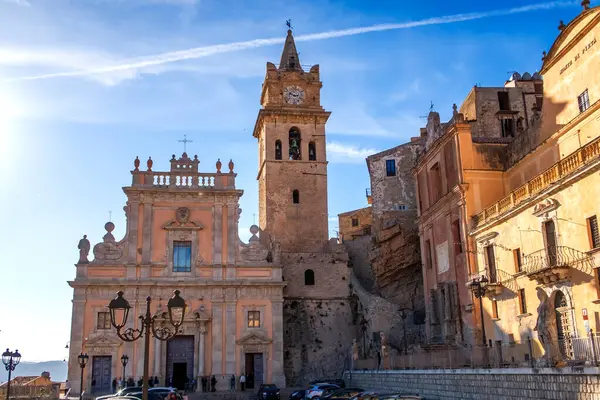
{"x":293,"y":95}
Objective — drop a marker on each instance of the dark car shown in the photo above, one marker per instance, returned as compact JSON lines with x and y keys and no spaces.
{"x":331,"y":381}
{"x":298,"y":395}
{"x":341,"y":394}
{"x":151,"y":395}
{"x":316,"y":391}
{"x":268,"y":392}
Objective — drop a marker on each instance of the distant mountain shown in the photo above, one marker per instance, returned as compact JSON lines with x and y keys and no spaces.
{"x":57,"y":369}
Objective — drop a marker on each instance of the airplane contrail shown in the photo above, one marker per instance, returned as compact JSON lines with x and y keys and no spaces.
{"x":205,"y":51}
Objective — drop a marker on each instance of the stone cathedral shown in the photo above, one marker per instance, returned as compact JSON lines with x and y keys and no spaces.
{"x":276,"y":309}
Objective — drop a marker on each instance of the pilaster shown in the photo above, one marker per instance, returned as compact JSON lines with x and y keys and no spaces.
{"x":230,"y":330}
{"x":132,"y":225}
{"x":147,"y":234}
{"x":217,"y":234}
{"x":278,"y":375}
{"x":217,"y":338}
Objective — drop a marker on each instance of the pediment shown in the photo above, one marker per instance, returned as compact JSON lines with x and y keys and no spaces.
{"x":103,"y":340}
{"x":253,"y":338}
{"x":182,"y":226}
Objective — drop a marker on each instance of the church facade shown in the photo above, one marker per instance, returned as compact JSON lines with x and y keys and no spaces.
{"x":265,"y":309}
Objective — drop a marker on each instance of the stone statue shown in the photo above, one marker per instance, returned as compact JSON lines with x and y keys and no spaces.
{"x":84,"y":250}
{"x":541,"y":325}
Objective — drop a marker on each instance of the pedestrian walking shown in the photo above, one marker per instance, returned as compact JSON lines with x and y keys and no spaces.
{"x":114,"y":385}
{"x":232,"y":383}
{"x":243,"y":382}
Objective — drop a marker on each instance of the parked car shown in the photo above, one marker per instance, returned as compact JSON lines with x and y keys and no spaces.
{"x":268,"y":392}
{"x":151,"y":395}
{"x":341,"y":394}
{"x":298,"y":395}
{"x":331,"y":381}
{"x":121,"y":393}
{"x":316,"y":391}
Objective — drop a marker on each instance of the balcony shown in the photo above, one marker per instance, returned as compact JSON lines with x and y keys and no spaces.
{"x":562,"y":169}
{"x":497,"y":281}
{"x":554,"y":264}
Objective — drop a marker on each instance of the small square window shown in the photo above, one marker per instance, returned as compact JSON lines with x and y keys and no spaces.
{"x":390,"y":167}
{"x":354,"y":221}
{"x":103,"y":320}
{"x":583,"y":100}
{"x":253,"y":319}
{"x":182,"y":256}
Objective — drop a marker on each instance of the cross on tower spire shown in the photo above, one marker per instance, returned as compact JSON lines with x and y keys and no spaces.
{"x":185,"y":141}
{"x":288,"y":23}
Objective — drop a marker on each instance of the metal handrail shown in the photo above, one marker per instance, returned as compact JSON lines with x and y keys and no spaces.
{"x":559,"y":256}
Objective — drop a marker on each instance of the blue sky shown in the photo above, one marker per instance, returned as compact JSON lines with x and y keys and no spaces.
{"x":67,"y":143}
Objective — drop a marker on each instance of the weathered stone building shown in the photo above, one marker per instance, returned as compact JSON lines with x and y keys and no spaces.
{"x":536,"y":239}
{"x":459,"y":170}
{"x":292,"y":177}
{"x":354,"y":224}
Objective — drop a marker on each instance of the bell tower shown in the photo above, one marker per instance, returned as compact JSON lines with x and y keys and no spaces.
{"x":292,"y":171}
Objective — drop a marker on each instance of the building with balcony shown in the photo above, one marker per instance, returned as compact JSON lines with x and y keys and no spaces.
{"x":537,"y":238}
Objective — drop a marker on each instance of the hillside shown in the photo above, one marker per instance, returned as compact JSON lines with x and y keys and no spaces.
{"x":57,"y":369}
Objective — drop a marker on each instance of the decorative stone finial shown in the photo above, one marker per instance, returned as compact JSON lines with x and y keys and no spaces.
{"x":149,"y":163}
{"x":173,"y":158}
{"x":109,"y":226}
{"x":544,"y":54}
{"x":84,"y":250}
{"x":585,"y":4}
{"x":136,"y":163}
{"x":219,"y":164}
{"x":231,"y":165}
{"x":454,"y":109}
{"x":195,"y":157}
{"x":561,"y":26}
{"x":253,"y":230}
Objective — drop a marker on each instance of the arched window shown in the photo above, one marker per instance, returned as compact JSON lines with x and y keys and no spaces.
{"x":294,"y":138}
{"x":309,"y":277}
{"x":296,"y":196}
{"x":312,"y":151}
{"x":278,"y":149}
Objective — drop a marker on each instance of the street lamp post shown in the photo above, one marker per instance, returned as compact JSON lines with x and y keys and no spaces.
{"x":83,"y":359}
{"x":403,"y":315}
{"x":124,"y":360}
{"x":478,"y":288}
{"x":10,"y":361}
{"x":119,"y":311}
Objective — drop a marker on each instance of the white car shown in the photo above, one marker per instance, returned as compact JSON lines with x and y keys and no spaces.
{"x":316,"y":391}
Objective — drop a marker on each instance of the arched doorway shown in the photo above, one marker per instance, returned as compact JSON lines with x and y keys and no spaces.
{"x":564,"y":327}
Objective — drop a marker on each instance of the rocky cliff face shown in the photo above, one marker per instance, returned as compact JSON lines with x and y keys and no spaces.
{"x":386,"y":279}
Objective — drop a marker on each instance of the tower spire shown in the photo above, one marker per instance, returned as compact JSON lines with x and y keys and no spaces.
{"x":289,"y":56}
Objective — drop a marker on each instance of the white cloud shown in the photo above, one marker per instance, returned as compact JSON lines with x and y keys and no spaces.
{"x":348,"y":154}
{"x":205,"y":51}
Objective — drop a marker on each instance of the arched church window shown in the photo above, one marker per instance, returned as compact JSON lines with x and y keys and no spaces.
{"x":312,"y":151}
{"x":278,"y":150}
{"x":309,"y":277}
{"x":294,"y":138}
{"x":296,"y":196}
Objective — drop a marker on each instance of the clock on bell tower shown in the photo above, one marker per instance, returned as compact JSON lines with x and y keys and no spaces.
{"x":292,"y":174}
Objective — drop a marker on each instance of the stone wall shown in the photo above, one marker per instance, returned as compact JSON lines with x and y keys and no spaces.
{"x":496,"y":384}
{"x":317,"y":338}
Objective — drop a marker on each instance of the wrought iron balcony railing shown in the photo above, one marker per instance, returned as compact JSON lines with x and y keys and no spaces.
{"x":552,"y":263}
{"x":497,"y":280}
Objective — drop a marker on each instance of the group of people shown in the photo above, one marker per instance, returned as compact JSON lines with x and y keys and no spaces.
{"x":120,"y":383}
{"x":209,"y":384}
{"x":243,"y":380}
